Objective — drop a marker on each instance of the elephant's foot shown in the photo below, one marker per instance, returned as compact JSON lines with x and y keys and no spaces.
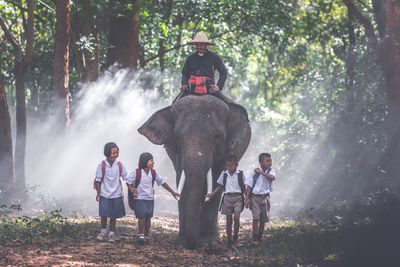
{"x":180,"y":242}
{"x":207,"y":241}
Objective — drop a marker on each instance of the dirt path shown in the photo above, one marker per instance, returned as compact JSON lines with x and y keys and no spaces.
{"x":85,"y":250}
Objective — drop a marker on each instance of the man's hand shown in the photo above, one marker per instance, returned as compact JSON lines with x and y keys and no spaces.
{"x":209,"y":195}
{"x":184,"y":88}
{"x":258,"y":170}
{"x":214,"y":88}
{"x":247,"y":203}
{"x":98,"y":196}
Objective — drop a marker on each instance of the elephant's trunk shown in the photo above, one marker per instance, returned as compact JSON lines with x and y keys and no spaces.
{"x":193,"y":199}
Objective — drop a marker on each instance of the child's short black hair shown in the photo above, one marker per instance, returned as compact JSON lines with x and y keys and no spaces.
{"x":108,"y":147}
{"x":231,"y":158}
{"x":262,"y":156}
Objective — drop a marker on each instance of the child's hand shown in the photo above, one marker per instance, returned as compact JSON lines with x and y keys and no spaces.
{"x":175,"y":194}
{"x":98,"y":196}
{"x":247,"y":203}
{"x":134,"y":191}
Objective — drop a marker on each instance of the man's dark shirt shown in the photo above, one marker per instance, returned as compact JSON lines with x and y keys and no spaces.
{"x":204,"y":66}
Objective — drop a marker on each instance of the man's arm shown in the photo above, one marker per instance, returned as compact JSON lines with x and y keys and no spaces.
{"x":223,"y":73}
{"x":186,"y":72}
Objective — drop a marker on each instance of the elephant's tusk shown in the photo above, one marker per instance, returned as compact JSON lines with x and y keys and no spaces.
{"x":181,"y":183}
{"x":209,"y":184}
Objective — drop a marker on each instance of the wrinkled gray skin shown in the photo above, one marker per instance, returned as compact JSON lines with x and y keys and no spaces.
{"x":198,"y":132}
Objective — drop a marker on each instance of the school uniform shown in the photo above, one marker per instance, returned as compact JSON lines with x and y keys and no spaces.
{"x":144,"y":203}
{"x":233,"y":199}
{"x":260,"y":204}
{"x":111,"y":204}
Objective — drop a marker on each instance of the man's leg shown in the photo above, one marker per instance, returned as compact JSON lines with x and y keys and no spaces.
{"x":229,"y":228}
{"x":236,"y":224}
{"x":255,"y":230}
{"x":219,"y":95}
{"x":261,"y":229}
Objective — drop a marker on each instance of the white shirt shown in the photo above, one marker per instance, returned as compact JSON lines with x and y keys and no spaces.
{"x":145,"y":187}
{"x":111,"y":186}
{"x":232,"y":182}
{"x":263,"y":184}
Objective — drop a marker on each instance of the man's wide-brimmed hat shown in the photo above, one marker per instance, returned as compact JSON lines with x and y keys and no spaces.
{"x":201,"y":38}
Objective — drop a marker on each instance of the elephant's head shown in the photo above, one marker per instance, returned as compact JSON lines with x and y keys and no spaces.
{"x":198,"y":133}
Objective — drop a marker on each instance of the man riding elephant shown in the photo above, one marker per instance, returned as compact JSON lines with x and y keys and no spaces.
{"x":199,"y":69}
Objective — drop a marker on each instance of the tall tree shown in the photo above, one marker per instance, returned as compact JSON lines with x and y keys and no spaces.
{"x":61,"y":62}
{"x":385,"y":45}
{"x":7,"y":178}
{"x":124,"y":34}
{"x":21,"y":64}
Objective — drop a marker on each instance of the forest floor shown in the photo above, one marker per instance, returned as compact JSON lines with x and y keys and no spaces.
{"x":72,"y":242}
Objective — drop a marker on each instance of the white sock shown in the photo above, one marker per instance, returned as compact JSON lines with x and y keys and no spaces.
{"x":111,"y":233}
{"x":103,"y":231}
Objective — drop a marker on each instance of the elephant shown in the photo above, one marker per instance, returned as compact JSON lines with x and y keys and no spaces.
{"x":198,"y":133}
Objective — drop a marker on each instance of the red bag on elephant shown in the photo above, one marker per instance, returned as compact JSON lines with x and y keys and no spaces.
{"x":137,"y":182}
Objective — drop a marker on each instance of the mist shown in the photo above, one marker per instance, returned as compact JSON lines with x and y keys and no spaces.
{"x":60,"y":168}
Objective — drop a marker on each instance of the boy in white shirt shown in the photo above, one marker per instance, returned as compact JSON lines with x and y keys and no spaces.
{"x":109,"y":190}
{"x":142,"y":180}
{"x":259,"y":187}
{"x":232,"y":181}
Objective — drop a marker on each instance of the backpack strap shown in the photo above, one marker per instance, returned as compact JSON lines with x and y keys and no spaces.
{"x":120,"y":167}
{"x":153,"y":175}
{"x":103,"y":170}
{"x":224,"y":179}
{"x":138,"y":177}
{"x":241,"y":182}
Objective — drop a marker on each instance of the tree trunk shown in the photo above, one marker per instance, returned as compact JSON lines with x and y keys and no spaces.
{"x":21,"y":64}
{"x":7,"y":178}
{"x":92,"y":58}
{"x":61,"y":61}
{"x":161,"y":49}
{"x":388,"y":54}
{"x":124,"y":36}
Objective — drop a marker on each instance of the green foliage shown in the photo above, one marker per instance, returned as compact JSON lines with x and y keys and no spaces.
{"x":49,"y":227}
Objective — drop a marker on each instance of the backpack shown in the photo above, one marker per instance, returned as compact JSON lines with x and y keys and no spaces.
{"x":255,"y":178}
{"x":241,"y":184}
{"x":103,"y":172}
{"x":137,"y":182}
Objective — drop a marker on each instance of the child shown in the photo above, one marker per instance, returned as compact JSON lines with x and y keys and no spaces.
{"x":144,"y":200}
{"x":231,"y":180}
{"x":109,"y":190}
{"x":259,"y":187}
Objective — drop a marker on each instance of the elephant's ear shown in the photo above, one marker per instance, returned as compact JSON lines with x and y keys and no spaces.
{"x":159,"y":128}
{"x":239,"y":131}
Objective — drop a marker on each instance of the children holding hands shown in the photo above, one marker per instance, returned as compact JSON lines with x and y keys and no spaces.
{"x":140,"y":183}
